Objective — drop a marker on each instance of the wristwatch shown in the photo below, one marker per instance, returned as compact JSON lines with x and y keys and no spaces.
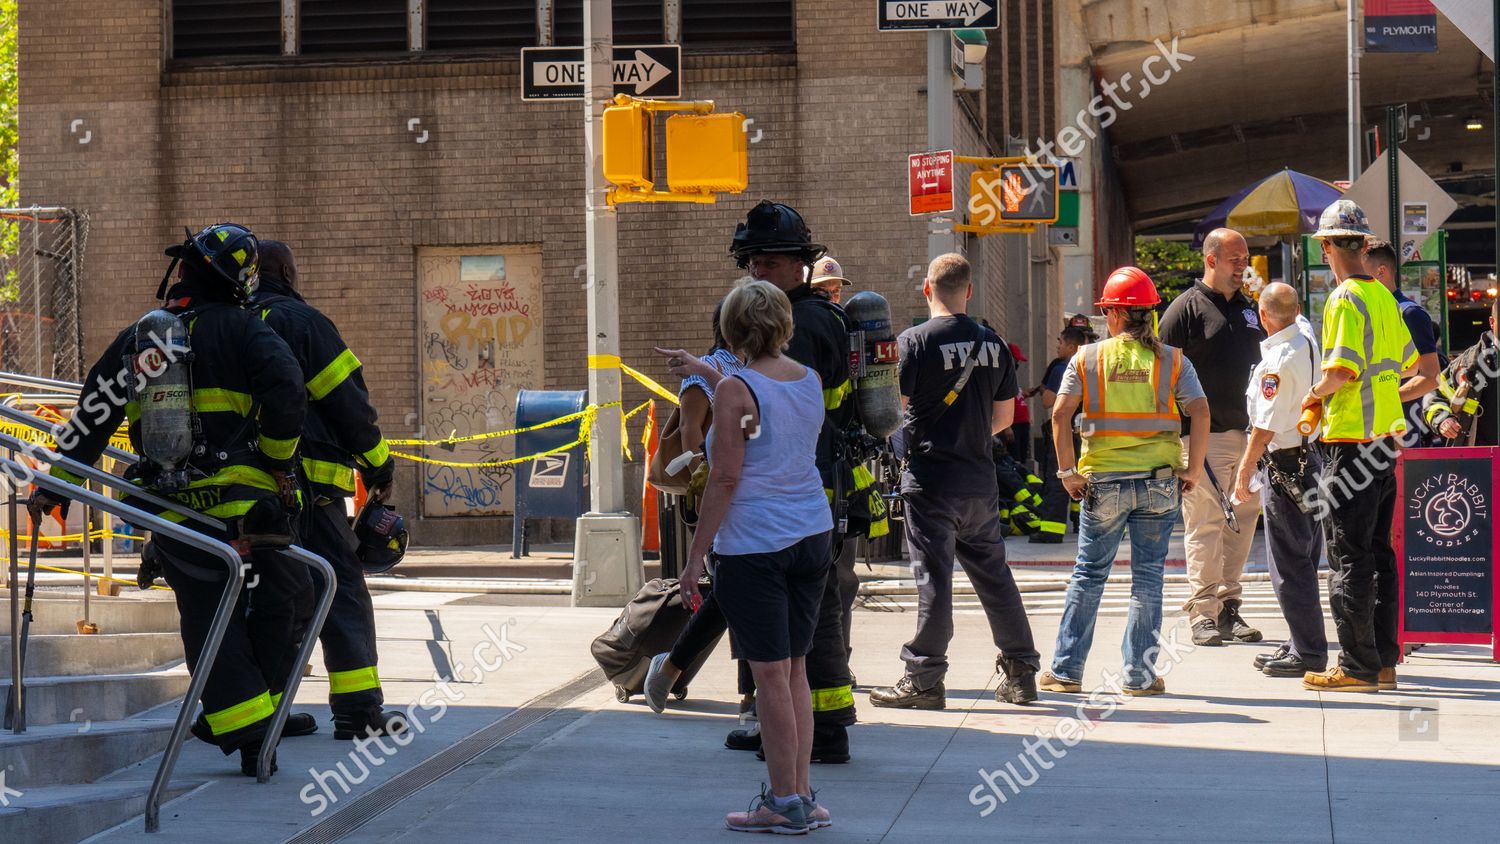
{"x":1066,"y":473}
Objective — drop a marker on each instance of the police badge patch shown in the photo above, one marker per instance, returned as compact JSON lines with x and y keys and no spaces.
{"x":1251,"y":319}
{"x":1268,"y":386}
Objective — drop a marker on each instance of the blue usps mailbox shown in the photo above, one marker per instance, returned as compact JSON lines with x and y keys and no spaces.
{"x":555,"y":485}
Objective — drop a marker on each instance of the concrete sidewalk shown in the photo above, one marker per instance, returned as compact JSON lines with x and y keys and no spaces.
{"x":1228,"y":754}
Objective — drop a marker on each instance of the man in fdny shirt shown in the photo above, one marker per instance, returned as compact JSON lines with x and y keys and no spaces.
{"x":952,"y":508}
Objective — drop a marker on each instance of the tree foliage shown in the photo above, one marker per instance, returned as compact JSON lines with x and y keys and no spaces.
{"x":1173,"y":264}
{"x":9,"y":135}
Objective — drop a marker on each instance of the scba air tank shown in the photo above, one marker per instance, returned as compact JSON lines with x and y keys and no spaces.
{"x":164,"y":391}
{"x":877,"y":393}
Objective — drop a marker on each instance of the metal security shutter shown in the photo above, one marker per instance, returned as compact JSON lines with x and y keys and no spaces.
{"x":480,"y":24}
{"x":636,"y":22}
{"x":353,"y":26}
{"x":212,"y":28}
{"x":737,"y":25}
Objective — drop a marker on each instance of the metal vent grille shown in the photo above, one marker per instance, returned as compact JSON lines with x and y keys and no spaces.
{"x":636,"y":22}
{"x":353,"y":26}
{"x":480,"y":24}
{"x":211,"y":28}
{"x":733,"y":24}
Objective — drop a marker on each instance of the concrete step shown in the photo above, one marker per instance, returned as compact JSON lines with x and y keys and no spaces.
{"x":82,"y":752}
{"x":98,"y":697}
{"x":71,"y":656}
{"x":69,"y":813}
{"x":58,"y":615}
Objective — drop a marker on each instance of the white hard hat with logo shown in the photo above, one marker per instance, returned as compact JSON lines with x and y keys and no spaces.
{"x":827,"y":269}
{"x":1343,"y":219}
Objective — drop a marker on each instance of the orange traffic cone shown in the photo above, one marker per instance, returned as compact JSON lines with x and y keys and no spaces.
{"x":650,"y":519}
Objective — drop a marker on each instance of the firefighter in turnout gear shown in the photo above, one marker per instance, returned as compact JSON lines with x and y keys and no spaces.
{"x":1463,"y":408}
{"x":340,"y":436}
{"x":1021,"y":498}
{"x":230,"y":456}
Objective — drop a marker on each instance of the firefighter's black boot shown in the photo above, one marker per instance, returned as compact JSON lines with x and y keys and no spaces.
{"x":298,"y":724}
{"x":250,"y":759}
{"x":367,"y":723}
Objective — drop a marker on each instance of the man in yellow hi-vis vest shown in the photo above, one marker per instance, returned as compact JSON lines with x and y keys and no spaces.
{"x":1131,"y":473}
{"x":1366,"y":347}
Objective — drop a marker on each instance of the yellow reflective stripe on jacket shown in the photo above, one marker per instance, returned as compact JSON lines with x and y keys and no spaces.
{"x":833,"y":397}
{"x":328,"y":473}
{"x":377,"y":456}
{"x":242,"y":475}
{"x":278,"y":449}
{"x":357,"y":680}
{"x":230,"y":509}
{"x":241,"y":715}
{"x":219,"y":400}
{"x":332,"y":375}
{"x":832,"y":700}
{"x":1130,"y":420}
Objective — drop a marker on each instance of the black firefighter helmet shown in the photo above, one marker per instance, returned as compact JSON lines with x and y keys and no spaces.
{"x":227,"y":253}
{"x":382,"y":537}
{"x":772,"y":227}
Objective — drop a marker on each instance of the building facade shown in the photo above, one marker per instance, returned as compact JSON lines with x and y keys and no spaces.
{"x":439,"y":219}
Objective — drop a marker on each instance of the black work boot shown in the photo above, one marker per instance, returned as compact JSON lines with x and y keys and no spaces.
{"x":1206,"y":633}
{"x":748,"y":736}
{"x":906,"y":695}
{"x":367,"y":723}
{"x":1281,"y":651}
{"x":250,"y":759}
{"x":1017,"y":682}
{"x":830,"y":744}
{"x":298,"y":724}
{"x":1231,"y":626}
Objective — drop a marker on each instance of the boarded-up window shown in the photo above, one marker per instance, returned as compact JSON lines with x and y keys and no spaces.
{"x":353,"y":26}
{"x":714,"y":25}
{"x":636,"y":22}
{"x":211,"y":28}
{"x":480,"y":24}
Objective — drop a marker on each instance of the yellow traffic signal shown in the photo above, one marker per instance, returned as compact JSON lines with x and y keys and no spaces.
{"x":707,"y":153}
{"x":628,"y":132}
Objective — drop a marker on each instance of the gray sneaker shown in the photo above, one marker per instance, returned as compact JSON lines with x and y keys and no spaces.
{"x":817,"y":816}
{"x":657,"y":687}
{"x":764,"y":817}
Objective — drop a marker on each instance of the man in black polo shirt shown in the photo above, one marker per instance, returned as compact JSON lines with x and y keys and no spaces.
{"x":949,"y":488}
{"x":1216,"y":326}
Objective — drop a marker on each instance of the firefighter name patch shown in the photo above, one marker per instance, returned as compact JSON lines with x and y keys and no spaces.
{"x":1269,"y":384}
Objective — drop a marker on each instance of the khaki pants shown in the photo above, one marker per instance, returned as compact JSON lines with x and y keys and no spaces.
{"x":1215,"y":554}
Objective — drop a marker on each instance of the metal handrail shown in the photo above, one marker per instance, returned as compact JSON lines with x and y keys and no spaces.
{"x":21,"y":380}
{"x":302,"y":555}
{"x":222,"y":615}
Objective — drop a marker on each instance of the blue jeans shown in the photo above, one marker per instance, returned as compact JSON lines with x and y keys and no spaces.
{"x":1149,"y":508}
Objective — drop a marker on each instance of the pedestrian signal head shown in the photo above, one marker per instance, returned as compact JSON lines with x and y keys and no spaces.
{"x":1129,"y":287}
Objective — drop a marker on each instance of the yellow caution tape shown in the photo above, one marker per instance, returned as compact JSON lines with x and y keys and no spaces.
{"x":604,"y":362}
{"x":649,"y":384}
{"x":585,"y":432}
{"x":561,"y":420}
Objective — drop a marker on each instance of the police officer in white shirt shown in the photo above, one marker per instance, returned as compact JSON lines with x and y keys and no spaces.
{"x":1287,"y":463}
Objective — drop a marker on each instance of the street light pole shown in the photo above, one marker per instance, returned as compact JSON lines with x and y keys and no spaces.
{"x":940,"y":239}
{"x":607,"y":545}
{"x":1355,"y":131}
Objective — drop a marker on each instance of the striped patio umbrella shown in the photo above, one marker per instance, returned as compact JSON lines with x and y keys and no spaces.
{"x":1285,"y":204}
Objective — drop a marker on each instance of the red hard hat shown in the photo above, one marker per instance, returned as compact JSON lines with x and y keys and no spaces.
{"x":1129,"y":287}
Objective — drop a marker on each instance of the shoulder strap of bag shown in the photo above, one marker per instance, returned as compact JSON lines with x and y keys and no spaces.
{"x":920,"y":433}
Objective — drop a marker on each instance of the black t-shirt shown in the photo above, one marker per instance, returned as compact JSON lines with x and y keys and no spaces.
{"x":820,"y":342}
{"x":953,"y":456}
{"x":1222,"y":339}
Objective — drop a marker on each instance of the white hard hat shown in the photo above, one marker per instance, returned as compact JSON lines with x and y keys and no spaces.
{"x":1343,"y":219}
{"x":827,"y":269}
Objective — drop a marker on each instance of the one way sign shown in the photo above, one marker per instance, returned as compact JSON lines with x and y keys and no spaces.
{"x":896,"y":15}
{"x":556,"y":73}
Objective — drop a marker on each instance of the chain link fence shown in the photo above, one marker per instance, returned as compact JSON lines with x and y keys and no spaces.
{"x":41,"y":262}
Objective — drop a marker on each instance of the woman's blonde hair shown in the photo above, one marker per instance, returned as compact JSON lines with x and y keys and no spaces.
{"x":756,"y":319}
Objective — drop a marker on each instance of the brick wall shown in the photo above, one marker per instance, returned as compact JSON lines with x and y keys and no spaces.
{"x":321,"y":157}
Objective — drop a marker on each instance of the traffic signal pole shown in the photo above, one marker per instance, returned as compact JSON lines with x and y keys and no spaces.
{"x":607,"y":545}
{"x":940,"y":236}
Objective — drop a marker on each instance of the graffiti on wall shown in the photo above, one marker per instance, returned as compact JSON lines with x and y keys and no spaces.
{"x":481,"y":344}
